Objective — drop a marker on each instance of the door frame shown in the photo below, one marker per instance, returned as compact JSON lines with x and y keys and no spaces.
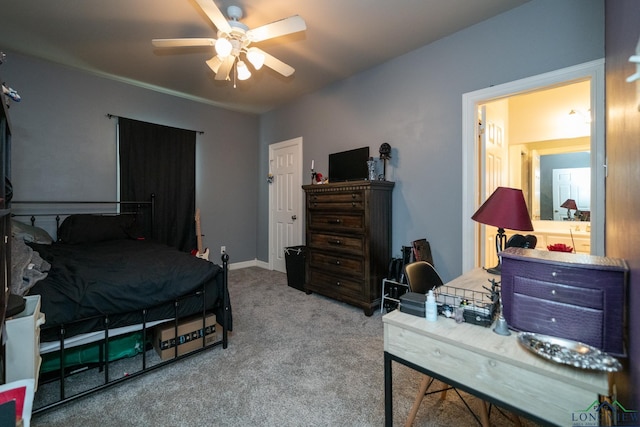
{"x":593,"y":70}
{"x":299,"y":223}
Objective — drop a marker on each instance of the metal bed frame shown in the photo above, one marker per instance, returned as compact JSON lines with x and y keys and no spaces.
{"x":103,"y":364}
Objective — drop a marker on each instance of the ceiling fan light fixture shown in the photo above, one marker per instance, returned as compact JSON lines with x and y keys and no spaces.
{"x":223,"y":47}
{"x":214,"y":63}
{"x":233,"y":40}
{"x":255,"y":57}
{"x":242,"y":70}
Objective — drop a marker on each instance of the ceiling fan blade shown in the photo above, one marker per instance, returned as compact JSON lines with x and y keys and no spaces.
{"x":215,"y":15}
{"x":197,"y":42}
{"x":285,"y":26}
{"x":276,"y":65}
{"x":225,"y":68}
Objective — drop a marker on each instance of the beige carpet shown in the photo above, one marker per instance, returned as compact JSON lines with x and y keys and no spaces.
{"x":293,"y":360}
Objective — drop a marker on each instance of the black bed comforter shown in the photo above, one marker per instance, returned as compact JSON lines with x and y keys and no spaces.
{"x":119,"y":278}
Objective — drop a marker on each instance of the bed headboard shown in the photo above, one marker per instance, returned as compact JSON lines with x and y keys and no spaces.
{"x":49,"y":215}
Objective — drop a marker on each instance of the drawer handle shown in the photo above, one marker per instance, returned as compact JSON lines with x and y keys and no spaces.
{"x":553,"y":292}
{"x":337,"y":262}
{"x":338,"y":283}
{"x":553,"y":320}
{"x":334,"y":221}
{"x":353,"y":204}
{"x":353,"y":195}
{"x":554,"y":274}
{"x":335,"y":242}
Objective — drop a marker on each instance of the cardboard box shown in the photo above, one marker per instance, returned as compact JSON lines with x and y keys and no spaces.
{"x":189,"y":336}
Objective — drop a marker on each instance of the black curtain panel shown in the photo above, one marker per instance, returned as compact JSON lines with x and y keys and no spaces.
{"x":160,"y":160}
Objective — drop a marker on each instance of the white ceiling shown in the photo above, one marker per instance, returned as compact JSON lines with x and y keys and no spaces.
{"x":343,"y":37}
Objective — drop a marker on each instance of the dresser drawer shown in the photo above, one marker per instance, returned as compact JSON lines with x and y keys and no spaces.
{"x":335,"y":285}
{"x":558,"y":319}
{"x":558,"y":292}
{"x":336,"y":263}
{"x":337,"y":200}
{"x":337,"y":242}
{"x":569,"y":275}
{"x":339,"y":221}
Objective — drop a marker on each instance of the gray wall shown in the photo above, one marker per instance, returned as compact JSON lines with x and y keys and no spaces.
{"x":64,"y":146}
{"x":414,"y":103}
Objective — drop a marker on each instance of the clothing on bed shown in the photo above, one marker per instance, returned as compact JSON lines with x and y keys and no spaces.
{"x":27,"y":267}
{"x":120,"y":278}
{"x":29,"y":233}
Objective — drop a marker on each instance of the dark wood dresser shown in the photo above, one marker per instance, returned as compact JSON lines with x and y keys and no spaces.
{"x":573,"y":296}
{"x":348,"y":233}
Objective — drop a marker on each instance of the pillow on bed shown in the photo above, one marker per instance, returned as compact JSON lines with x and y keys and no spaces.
{"x":30,"y":233}
{"x":88,"y":228}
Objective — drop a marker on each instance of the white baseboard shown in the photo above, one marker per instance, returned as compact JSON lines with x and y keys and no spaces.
{"x":252,"y":263}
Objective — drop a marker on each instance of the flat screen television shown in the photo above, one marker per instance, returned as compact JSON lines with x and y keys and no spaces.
{"x":349,"y":165}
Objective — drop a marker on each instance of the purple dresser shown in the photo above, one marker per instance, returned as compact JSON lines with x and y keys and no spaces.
{"x":572,"y":296}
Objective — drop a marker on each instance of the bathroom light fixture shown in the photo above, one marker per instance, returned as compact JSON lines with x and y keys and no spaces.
{"x":580,"y":113}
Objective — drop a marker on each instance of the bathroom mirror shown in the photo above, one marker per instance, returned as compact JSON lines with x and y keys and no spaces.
{"x":549,"y":144}
{"x":554,"y":172}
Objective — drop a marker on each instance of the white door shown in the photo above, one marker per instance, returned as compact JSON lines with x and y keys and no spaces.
{"x":571,"y":183}
{"x":285,"y":200}
{"x":496,"y":165}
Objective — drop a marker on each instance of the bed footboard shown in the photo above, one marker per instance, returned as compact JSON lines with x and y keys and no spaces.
{"x":107,"y":335}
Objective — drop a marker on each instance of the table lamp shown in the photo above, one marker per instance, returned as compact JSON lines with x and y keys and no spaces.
{"x":569,"y":204}
{"x":505,"y":208}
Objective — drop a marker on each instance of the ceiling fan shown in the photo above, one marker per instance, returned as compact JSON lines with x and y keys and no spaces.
{"x":235,"y":39}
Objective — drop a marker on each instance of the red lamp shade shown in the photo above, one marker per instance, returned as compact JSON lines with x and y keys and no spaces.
{"x":505,"y":208}
{"x":569,"y":204}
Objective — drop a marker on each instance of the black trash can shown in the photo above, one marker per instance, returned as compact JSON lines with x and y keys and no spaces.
{"x":294,"y":257}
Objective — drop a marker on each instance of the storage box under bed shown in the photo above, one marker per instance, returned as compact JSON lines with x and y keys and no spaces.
{"x":189,"y":336}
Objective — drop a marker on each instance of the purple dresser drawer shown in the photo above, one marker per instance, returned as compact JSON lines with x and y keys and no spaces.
{"x":559,"y":292}
{"x":578,"y":297}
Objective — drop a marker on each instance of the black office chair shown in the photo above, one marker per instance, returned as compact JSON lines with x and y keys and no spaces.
{"x":423,"y":277}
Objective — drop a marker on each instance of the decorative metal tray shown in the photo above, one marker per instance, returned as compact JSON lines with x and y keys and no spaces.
{"x":568,"y":352}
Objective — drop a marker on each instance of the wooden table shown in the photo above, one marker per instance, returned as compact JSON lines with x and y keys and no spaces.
{"x":493,"y":367}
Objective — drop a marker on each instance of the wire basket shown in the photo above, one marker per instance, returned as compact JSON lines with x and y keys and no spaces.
{"x":480,"y":307}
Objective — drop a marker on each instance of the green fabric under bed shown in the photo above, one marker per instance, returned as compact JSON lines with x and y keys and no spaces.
{"x":122,"y":346}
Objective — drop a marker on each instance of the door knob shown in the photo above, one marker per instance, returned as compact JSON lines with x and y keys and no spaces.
{"x":294,"y":217}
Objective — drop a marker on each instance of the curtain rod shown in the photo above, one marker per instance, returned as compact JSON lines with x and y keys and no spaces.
{"x":110,"y":116}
